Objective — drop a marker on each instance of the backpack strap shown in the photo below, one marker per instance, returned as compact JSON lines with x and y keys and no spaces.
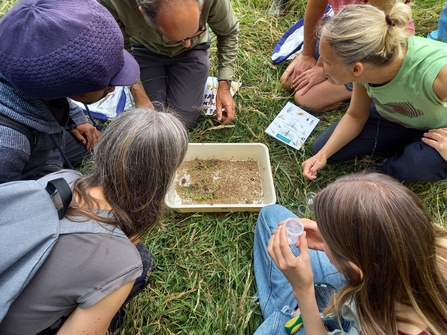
{"x":78,"y":225}
{"x":58,"y":183}
{"x":61,"y":187}
{"x":29,"y":132}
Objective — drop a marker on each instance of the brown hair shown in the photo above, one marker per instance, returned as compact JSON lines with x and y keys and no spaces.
{"x":381,"y":226}
{"x":135,"y":162}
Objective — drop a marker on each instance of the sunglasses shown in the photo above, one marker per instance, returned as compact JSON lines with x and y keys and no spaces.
{"x":198,"y":33}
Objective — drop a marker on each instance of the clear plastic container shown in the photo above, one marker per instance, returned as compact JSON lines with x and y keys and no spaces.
{"x":294,"y":229}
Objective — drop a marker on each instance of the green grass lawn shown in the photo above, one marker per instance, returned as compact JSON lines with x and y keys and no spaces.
{"x":203,"y":282}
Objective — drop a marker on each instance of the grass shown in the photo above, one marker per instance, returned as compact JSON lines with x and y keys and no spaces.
{"x":203,"y":282}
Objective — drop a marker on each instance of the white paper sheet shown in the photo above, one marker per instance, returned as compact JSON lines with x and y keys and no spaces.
{"x":292,"y":126}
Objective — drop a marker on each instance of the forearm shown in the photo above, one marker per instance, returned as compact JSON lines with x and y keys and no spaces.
{"x":314,"y":12}
{"x":347,"y":129}
{"x":140,"y":97}
{"x":309,"y":310}
{"x":351,"y":124}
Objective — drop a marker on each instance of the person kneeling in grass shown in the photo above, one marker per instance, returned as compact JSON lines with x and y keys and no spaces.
{"x":406,"y":78}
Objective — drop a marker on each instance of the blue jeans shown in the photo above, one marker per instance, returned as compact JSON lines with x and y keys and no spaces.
{"x":274,"y":291}
{"x":409,"y":160}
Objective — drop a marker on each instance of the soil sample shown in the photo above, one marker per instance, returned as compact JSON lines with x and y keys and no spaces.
{"x":215,"y":181}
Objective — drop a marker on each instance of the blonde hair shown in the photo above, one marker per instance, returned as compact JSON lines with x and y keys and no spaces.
{"x":364,"y":33}
{"x":378,"y":224}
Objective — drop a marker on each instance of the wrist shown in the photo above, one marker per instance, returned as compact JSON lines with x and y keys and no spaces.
{"x":304,"y":293}
{"x":225,"y":84}
{"x":308,"y":54}
{"x":322,"y":154}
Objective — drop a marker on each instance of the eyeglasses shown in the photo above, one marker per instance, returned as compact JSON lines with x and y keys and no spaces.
{"x":198,"y":33}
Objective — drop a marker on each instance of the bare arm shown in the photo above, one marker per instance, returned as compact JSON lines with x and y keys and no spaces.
{"x":298,"y":271}
{"x":140,"y":96}
{"x":350,"y":125}
{"x":314,"y":12}
{"x":440,"y":84}
{"x":96,"y":319}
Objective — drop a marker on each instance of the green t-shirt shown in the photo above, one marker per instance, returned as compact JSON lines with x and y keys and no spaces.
{"x":409,"y":98}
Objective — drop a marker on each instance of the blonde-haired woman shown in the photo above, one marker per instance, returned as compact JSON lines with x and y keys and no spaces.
{"x":406,"y":78}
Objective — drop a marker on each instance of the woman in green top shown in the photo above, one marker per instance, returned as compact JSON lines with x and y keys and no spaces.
{"x":400,"y":93}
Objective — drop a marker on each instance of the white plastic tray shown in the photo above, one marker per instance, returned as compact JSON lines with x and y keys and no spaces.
{"x":228,"y":151}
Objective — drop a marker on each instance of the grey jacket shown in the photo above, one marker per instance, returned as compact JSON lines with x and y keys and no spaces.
{"x":16,"y":159}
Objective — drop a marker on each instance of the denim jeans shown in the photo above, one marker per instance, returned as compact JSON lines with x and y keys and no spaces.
{"x":274,"y":291}
{"x":410,"y":159}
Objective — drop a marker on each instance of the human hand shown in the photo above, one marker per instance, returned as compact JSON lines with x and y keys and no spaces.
{"x":299,"y":65}
{"x":311,"y":166}
{"x":296,"y":269}
{"x":309,"y":78}
{"x":225,"y":106}
{"x":437,"y":138}
{"x":86,"y":134}
{"x":314,"y":239}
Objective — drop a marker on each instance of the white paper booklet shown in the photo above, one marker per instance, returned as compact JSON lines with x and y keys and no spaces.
{"x":292,"y":126}
{"x":209,"y":101}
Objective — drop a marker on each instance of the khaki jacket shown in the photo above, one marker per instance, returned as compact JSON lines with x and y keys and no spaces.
{"x":217,"y":13}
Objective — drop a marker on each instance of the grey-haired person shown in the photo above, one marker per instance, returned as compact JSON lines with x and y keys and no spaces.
{"x":51,"y":50}
{"x":170,"y":41}
{"x":88,"y":277}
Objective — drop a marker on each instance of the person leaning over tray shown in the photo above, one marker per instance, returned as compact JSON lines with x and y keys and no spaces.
{"x":51,"y":50}
{"x":406,"y":78}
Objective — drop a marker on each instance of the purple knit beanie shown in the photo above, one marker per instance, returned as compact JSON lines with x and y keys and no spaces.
{"x":61,"y":48}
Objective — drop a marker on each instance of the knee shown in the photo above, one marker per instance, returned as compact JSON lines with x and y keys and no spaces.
{"x":189,"y":118}
{"x":271,"y":215}
{"x":285,"y":82}
{"x":310,"y":101}
{"x":307,"y":101}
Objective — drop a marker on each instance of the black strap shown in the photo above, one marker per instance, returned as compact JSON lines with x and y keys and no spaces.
{"x":60,"y":186}
{"x":29,"y":132}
